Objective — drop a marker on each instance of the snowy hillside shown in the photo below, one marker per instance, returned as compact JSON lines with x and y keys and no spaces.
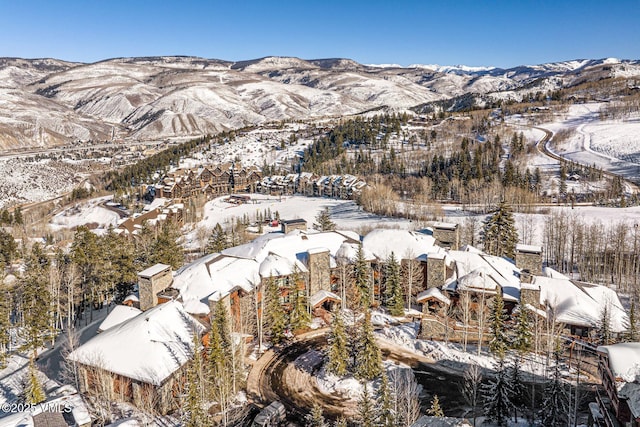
{"x":47,"y":102}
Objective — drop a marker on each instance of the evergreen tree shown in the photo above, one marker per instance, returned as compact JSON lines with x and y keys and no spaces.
{"x":218,"y":240}
{"x":555,"y":404}
{"x":323,"y":221}
{"x":369,"y":356}
{"x":338,"y":350}
{"x":276,"y":317}
{"x":393,"y":288}
{"x":604,"y":333}
{"x":362,"y":277}
{"x":315,"y":418}
{"x":435,"y":410}
{"x":166,"y":250}
{"x":36,"y":301}
{"x":518,"y":388}
{"x":384,"y":403}
{"x":497,"y":317}
{"x":33,"y":392}
{"x":193,"y":399}
{"x":299,"y":316}
{"x":220,"y":371}
{"x":496,"y":393}
{"x":340,"y":422}
{"x":5,"y":320}
{"x":499,"y":234}
{"x":366,"y":410}
{"x":17,"y":216}
{"x":8,"y":247}
{"x":523,"y":339}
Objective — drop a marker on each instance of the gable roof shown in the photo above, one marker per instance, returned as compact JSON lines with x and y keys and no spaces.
{"x":149,"y":347}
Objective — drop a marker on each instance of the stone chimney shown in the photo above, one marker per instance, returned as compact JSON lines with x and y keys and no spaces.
{"x":529,"y":259}
{"x":447,"y":235}
{"x":151,"y":281}
{"x":293,"y":224}
{"x":319,"y":266}
{"x":436,"y":272}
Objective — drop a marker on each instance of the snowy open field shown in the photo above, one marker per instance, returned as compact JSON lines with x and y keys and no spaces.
{"x":611,"y":145}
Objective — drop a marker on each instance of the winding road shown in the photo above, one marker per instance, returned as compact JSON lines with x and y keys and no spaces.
{"x":542,"y":147}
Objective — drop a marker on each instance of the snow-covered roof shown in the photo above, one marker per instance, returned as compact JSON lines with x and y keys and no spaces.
{"x":349,"y":252}
{"x":529,"y":248}
{"x":581,"y":304}
{"x":445,"y":225}
{"x":432,"y":293}
{"x":288,"y":245}
{"x":322,"y":296}
{"x":132,"y":297}
{"x":403,"y":243}
{"x":149,"y":347}
{"x":153,"y":270}
{"x":475,"y":270}
{"x":624,"y":360}
{"x":275,"y":265}
{"x":214,"y":273}
{"x":119,"y":314}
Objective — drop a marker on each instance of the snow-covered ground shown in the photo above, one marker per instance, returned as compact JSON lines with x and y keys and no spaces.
{"x":87,"y":213}
{"x":449,"y":354}
{"x":345,"y":213}
{"x":613,"y":145}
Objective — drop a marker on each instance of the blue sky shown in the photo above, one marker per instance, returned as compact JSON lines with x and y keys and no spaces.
{"x":499,"y":33}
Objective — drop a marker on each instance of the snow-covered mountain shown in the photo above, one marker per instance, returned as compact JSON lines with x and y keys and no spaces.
{"x":50,"y":102}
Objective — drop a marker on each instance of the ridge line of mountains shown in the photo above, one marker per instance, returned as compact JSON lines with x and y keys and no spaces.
{"x":48,"y":102}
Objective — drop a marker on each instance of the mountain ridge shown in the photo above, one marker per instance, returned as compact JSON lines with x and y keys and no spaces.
{"x":50,"y":102}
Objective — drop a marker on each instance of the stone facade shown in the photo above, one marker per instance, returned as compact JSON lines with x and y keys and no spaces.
{"x":436,"y":271}
{"x":530,"y":294}
{"x":293,"y":224}
{"x":319,"y":270}
{"x":529,"y":258}
{"x":150,"y":282}
{"x":447,"y":235}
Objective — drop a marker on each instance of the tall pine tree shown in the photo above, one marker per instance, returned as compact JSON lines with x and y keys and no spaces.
{"x":497,"y":396}
{"x":555,"y":404}
{"x":316,"y":418}
{"x":499,"y":234}
{"x":338,"y":352}
{"x":366,"y":409}
{"x":369,"y":356}
{"x":299,"y":318}
{"x":276,"y":316}
{"x":393,"y":288}
{"x":362,"y":278}
{"x":323,"y":221}
{"x":497,"y":317}
{"x":218,"y":240}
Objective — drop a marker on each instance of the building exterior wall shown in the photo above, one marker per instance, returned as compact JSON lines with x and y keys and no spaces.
{"x":319,"y":272}
{"x":150,"y":286}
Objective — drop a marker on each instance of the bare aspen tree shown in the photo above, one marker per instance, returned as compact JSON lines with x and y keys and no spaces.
{"x":471,"y":387}
{"x":412,"y":275}
{"x":464,"y":304}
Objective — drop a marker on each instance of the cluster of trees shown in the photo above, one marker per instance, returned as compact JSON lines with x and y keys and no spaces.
{"x":11,"y":218}
{"x":391,"y":401}
{"x":599,"y":252}
{"x":145,"y":169}
{"x":215,"y":375}
{"x":285,"y":308}
{"x":56,"y":288}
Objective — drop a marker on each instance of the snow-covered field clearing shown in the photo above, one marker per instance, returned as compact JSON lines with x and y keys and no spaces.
{"x":611,"y":145}
{"x":86,"y":213}
{"x":345,"y":213}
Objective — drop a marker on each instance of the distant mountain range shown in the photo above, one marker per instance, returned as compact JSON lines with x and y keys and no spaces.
{"x":50,"y":102}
